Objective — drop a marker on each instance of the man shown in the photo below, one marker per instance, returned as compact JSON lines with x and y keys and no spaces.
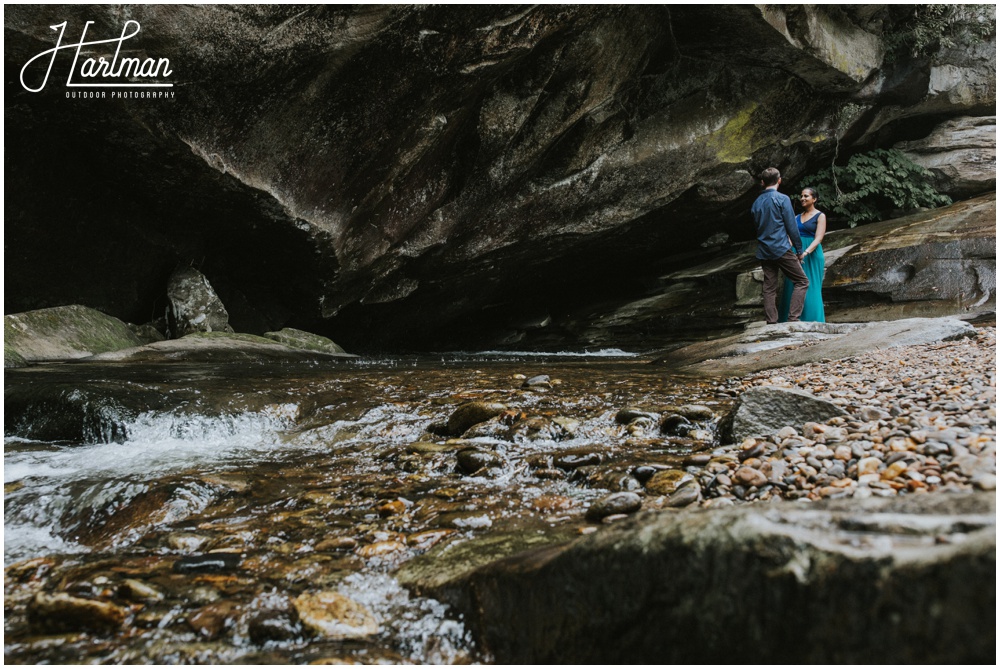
{"x":778,"y":246}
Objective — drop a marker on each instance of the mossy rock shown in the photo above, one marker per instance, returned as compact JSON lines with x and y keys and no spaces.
{"x":12,"y":358}
{"x":221,"y":347}
{"x":63,"y":333}
{"x":307,"y":340}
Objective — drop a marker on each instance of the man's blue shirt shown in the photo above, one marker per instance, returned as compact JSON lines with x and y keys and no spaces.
{"x":775,"y":225}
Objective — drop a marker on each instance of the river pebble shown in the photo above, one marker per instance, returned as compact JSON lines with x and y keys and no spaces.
{"x":612,"y":505}
{"x":335,"y":616}
{"x":920,"y":418}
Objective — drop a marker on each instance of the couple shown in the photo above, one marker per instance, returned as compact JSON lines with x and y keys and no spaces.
{"x":781,"y":237}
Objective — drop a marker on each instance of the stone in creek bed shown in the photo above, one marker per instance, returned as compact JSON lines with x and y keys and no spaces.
{"x":540,"y":381}
{"x":551,"y":474}
{"x":697,"y":460}
{"x":209,"y":621}
{"x":643,"y":473}
{"x":675,"y":425}
{"x":749,"y":477}
{"x":337,"y":543}
{"x":471,"y":460}
{"x":629,"y":414}
{"x":667,"y":482}
{"x":335,"y":616}
{"x":274,"y":625}
{"x":684,"y":496}
{"x":63,"y":613}
{"x":207,"y":564}
{"x":578,"y":457}
{"x":696,"y":412}
{"x":618,"y":503}
{"x":472,"y":413}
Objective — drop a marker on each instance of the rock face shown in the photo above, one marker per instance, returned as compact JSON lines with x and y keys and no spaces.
{"x":62,"y":333}
{"x":961,"y":153}
{"x":194,"y":306}
{"x":385,"y":175}
{"x":904,"y":580}
{"x":764,"y":346}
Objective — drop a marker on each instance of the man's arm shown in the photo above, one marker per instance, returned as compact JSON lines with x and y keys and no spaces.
{"x":788,"y":218}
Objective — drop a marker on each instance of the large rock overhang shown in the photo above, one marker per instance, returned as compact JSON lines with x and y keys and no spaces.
{"x":405,"y":177}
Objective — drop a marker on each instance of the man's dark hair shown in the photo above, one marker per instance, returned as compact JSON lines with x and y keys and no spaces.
{"x":770,"y":176}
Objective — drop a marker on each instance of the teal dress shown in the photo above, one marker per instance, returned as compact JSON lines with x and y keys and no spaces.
{"x":813,"y":267}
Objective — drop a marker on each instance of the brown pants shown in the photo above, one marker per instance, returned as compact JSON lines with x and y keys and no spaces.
{"x":789,"y":264}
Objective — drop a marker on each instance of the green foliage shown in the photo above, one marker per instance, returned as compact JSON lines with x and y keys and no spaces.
{"x":871,"y":184}
{"x":932,"y":27}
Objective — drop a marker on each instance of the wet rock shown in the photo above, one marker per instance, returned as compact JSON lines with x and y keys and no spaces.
{"x":540,"y":381}
{"x":209,"y":621}
{"x":675,"y":425}
{"x":208,"y":563}
{"x":550,"y":474}
{"x":536,"y":428}
{"x":686,"y":495}
{"x":335,"y":616}
{"x":274,"y":625}
{"x":577,"y":457}
{"x":617,"y":503}
{"x":696,"y":412}
{"x":643,"y":473}
{"x":194,"y":305}
{"x":337,"y":544}
{"x":761,"y":412}
{"x":472,"y":460}
{"x":186,"y":542}
{"x":615,"y":480}
{"x":629,"y":414}
{"x":64,"y":613}
{"x":697,"y":460}
{"x":471,"y":413}
{"x":380,"y":548}
{"x":137,"y":591}
{"x":428,"y":538}
{"x":667,"y":482}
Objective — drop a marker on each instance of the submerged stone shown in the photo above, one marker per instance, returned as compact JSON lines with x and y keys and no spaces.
{"x":335,"y":616}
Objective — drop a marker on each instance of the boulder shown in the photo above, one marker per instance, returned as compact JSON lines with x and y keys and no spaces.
{"x":215,"y":347}
{"x":194,"y":305}
{"x":306,"y":340}
{"x":761,"y":412}
{"x":909,"y":579}
{"x":62,"y":333}
{"x":961,"y":154}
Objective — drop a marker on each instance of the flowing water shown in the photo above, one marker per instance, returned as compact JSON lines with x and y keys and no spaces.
{"x":124,"y":482}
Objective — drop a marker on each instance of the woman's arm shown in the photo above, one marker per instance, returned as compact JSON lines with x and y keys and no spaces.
{"x":820,"y":233}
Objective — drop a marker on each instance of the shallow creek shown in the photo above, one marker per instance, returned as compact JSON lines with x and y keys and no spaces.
{"x":202,"y":501}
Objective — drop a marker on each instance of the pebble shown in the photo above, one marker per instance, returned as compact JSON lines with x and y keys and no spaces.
{"x":919,"y":418}
{"x":617,"y":503}
{"x":667,"y":482}
{"x":207,"y":564}
{"x":64,"y":613}
{"x":335,"y":616}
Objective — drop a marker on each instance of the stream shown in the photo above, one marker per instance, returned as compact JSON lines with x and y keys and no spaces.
{"x":199,"y":507}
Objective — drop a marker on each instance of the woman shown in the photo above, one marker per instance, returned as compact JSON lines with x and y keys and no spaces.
{"x":812,"y":228}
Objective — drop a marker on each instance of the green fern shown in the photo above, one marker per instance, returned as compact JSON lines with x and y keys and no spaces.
{"x":872,"y":184}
